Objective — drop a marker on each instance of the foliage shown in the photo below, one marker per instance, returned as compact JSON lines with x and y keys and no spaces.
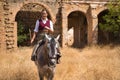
{"x":21,"y":35}
{"x":112,"y":19}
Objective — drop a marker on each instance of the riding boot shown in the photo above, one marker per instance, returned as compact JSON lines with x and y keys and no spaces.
{"x":34,"y":57}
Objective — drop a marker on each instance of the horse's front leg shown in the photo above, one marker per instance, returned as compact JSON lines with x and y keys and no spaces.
{"x":50,"y":76}
{"x":41,"y":77}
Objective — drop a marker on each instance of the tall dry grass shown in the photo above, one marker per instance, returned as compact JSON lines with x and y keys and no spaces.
{"x":17,"y":66}
{"x":90,"y":63}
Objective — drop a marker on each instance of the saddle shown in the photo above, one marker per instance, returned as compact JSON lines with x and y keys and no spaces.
{"x":41,"y":42}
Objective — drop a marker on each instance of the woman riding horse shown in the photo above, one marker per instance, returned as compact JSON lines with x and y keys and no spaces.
{"x":43,"y":26}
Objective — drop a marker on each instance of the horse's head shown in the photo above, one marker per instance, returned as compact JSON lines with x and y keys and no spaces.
{"x":52,"y":44}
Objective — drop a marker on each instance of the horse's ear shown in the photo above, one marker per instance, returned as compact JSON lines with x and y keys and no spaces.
{"x":57,"y":37}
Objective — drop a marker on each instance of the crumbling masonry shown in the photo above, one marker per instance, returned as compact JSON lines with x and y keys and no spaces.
{"x":75,"y":20}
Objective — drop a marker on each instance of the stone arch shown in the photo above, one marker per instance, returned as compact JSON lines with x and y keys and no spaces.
{"x":77,"y":29}
{"x":100,"y":9}
{"x":28,"y":14}
{"x":36,"y":5}
{"x":79,"y":10}
{"x":106,"y":37}
{"x":18,"y":8}
{"x":66,"y":10}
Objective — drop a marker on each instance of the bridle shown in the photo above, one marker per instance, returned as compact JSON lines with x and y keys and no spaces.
{"x":52,"y":45}
{"x":52,"y":51}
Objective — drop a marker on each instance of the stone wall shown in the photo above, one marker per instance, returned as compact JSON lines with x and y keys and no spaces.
{"x":10,"y":27}
{"x":2,"y":29}
{"x":91,"y":10}
{"x":58,"y":11}
{"x":10,"y":9}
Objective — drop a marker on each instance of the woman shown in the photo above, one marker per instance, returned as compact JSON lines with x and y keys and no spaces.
{"x":43,"y":26}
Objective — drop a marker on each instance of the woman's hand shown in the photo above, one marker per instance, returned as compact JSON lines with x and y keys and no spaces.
{"x":49,"y":29}
{"x":31,"y":40}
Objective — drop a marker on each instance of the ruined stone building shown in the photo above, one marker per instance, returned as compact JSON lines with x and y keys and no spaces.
{"x":76,"y":20}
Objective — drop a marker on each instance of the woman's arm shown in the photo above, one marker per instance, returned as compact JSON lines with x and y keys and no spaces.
{"x":34,"y":35}
{"x":35,"y":31}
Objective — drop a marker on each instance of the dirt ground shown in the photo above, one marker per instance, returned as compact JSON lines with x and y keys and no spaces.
{"x":90,"y":63}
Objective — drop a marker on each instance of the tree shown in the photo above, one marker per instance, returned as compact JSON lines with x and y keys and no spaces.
{"x":112,"y":19}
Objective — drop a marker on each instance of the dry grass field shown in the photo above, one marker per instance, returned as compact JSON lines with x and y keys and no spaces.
{"x":90,"y":63}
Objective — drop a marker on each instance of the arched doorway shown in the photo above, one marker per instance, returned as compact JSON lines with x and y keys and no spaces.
{"x":77,"y":23}
{"x":26,"y":19}
{"x":106,"y":37}
{"x":103,"y":36}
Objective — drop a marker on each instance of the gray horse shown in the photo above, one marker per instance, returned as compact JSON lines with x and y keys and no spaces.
{"x":46,"y":57}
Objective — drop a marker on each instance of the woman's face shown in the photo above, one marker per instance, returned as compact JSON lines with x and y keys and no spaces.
{"x":44,"y":14}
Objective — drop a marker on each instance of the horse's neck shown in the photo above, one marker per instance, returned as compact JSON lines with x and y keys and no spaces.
{"x":44,"y":52}
{"x":42,"y":55}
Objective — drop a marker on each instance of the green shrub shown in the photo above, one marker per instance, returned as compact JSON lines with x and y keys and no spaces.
{"x":112,"y":19}
{"x":22,"y":36}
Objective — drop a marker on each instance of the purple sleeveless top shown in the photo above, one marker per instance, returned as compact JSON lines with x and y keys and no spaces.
{"x":42,"y":25}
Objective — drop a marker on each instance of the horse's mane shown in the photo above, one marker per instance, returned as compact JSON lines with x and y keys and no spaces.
{"x":42,"y":56}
